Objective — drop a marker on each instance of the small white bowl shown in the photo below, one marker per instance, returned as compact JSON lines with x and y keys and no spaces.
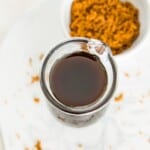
{"x":143,"y":7}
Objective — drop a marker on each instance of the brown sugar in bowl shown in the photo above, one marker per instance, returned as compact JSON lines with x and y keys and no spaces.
{"x":126,"y":42}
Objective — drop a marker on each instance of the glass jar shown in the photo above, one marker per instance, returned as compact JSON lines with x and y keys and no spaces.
{"x":84,"y":115}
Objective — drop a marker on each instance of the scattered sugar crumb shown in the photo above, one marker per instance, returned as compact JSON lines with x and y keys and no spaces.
{"x":127,"y":74}
{"x":41,"y":56}
{"x":140,"y":132}
{"x":35,"y":79}
{"x":38,"y":145}
{"x":36,"y":100}
{"x":119,"y":97}
{"x":80,"y":147}
{"x":18,"y":136}
{"x":30,"y":61}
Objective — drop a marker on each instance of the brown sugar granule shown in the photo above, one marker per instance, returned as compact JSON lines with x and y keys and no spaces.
{"x":127,"y":74}
{"x":36,"y":100}
{"x":30,"y":61}
{"x":35,"y":78}
{"x":141,"y":132}
{"x":41,"y":56}
{"x":80,"y":147}
{"x":114,"y":22}
{"x":38,"y":145}
{"x":119,"y":97}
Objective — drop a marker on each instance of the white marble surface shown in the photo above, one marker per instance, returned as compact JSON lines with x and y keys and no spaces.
{"x":11,"y":11}
{"x":125,"y":126}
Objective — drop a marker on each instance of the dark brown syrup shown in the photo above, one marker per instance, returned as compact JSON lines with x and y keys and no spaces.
{"x":78,"y":79}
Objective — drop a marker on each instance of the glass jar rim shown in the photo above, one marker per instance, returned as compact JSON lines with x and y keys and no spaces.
{"x":65,"y":108}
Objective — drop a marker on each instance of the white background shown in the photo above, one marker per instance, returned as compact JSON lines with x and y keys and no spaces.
{"x":10,"y":12}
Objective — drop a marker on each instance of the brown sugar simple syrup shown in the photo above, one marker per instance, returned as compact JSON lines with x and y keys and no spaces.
{"x":78,"y":79}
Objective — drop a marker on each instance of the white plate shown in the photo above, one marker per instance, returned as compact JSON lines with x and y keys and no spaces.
{"x":126,"y":124}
